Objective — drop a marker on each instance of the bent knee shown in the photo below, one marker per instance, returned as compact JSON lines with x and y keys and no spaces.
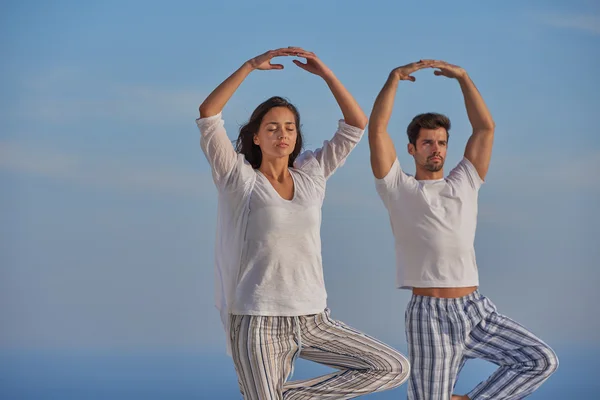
{"x":550,"y":362}
{"x":396,"y":367}
{"x":544,"y":365}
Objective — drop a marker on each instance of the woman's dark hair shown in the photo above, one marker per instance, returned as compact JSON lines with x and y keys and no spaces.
{"x":245,"y":142}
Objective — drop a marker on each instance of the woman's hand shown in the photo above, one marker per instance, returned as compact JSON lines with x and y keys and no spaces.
{"x":313,"y":64}
{"x":263,"y":61}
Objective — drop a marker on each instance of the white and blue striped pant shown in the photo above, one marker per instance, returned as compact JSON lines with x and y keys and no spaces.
{"x":443,"y":333}
{"x":264,"y":349}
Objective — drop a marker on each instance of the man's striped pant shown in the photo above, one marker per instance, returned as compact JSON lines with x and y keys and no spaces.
{"x":443,"y":333}
{"x":264,"y":349}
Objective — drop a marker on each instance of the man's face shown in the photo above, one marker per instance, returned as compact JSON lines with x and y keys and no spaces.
{"x":430,"y":150}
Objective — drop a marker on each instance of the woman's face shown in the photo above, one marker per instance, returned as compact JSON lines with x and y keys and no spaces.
{"x":277,"y":133}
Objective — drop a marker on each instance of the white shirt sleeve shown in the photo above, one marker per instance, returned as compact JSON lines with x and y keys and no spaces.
{"x":465,"y":173}
{"x":333,"y":153}
{"x":391,"y":181}
{"x":229,"y":169}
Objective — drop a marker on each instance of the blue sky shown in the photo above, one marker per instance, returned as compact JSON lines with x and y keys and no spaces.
{"x":107,"y":212}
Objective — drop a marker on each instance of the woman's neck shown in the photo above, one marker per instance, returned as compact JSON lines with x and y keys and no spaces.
{"x":275,"y":169}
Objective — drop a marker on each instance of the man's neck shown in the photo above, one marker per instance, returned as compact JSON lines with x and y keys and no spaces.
{"x":426,"y":175}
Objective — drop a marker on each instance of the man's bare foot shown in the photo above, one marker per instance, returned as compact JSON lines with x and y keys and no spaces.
{"x":459,"y":397}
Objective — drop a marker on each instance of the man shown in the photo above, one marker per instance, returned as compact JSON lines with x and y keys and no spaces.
{"x":434,"y":220}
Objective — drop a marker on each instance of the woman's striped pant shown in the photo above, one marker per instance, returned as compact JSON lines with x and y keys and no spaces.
{"x":264,"y":349}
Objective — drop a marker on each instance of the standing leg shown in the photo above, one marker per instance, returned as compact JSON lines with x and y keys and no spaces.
{"x":435,"y":333}
{"x":524,"y":361}
{"x":365,"y":365}
{"x":263,"y":350}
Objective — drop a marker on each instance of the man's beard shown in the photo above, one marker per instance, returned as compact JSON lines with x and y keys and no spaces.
{"x":434,"y":167}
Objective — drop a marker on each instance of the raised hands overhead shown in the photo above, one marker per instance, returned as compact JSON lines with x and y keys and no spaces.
{"x":404,"y":72}
{"x":353,"y":114}
{"x":446,"y":69}
{"x":215,"y":102}
{"x":479,"y":145}
{"x":313,"y":64}
{"x":263,"y":61}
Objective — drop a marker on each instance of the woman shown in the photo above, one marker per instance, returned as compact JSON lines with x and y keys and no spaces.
{"x":269,"y":275}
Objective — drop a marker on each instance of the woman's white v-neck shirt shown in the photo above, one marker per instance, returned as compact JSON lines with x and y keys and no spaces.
{"x":267,"y":249}
{"x":281,"y":270}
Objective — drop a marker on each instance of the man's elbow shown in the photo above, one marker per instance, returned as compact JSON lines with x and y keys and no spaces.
{"x":484,"y":125}
{"x":486,"y":130}
{"x":376,"y":128}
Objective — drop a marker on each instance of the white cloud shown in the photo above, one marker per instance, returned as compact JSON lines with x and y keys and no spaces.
{"x":581,"y":22}
{"x":111,"y":174}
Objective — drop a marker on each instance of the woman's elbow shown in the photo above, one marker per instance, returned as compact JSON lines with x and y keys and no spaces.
{"x":361,"y":122}
{"x":203,"y":109}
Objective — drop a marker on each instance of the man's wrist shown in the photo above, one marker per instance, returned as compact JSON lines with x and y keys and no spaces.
{"x":248,"y":67}
{"x":463,"y":78}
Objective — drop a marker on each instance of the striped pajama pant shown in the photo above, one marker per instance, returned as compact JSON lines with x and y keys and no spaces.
{"x":443,"y":333}
{"x":264,"y":349}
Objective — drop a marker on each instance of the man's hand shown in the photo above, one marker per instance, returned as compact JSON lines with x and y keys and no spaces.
{"x":479,"y":145}
{"x":404,"y":72}
{"x":446,"y":69}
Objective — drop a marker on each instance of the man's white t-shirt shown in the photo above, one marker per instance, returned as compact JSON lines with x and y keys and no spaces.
{"x":434,"y":223}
